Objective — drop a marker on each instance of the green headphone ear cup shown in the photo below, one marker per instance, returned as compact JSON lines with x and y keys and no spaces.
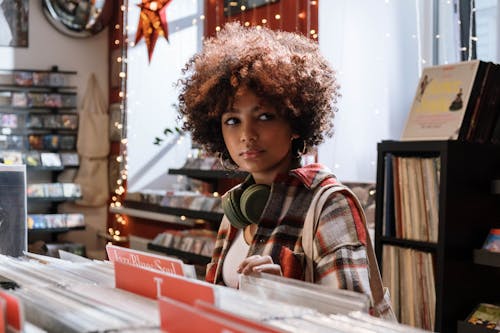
{"x":230,"y":205}
{"x":253,"y":201}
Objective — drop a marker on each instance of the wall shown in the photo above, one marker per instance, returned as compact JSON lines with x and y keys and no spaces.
{"x":372,"y":47}
{"x":48,"y":47}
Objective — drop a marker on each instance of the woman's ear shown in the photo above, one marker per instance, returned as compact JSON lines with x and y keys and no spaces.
{"x":295,"y":136}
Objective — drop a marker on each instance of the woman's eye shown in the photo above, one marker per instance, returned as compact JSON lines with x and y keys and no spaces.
{"x":266,"y":116}
{"x":231,"y":121}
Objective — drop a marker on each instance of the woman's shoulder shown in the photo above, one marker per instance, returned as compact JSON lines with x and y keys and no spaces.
{"x":314,"y":175}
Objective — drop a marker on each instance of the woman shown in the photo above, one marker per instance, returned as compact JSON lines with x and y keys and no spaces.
{"x":260,"y":98}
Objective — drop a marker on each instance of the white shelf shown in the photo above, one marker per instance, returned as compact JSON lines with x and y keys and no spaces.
{"x":167,"y":218}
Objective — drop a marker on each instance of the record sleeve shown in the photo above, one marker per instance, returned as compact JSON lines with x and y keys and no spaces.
{"x":32,"y":158}
{"x":34,"y":121}
{"x":54,"y":190}
{"x":70,"y":159}
{"x":35,"y":191}
{"x":75,"y":220}
{"x":50,"y":159}
{"x":13,"y":229}
{"x":69,"y":121}
{"x":12,"y":157}
{"x":15,"y":142}
{"x":55,"y":220}
{"x":9,"y":120}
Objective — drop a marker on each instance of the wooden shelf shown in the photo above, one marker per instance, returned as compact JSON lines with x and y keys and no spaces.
{"x":54,"y":70}
{"x":465,"y":327}
{"x":52,"y":199}
{"x":45,"y":168}
{"x":487,"y":258}
{"x":148,"y":215}
{"x":465,"y":180}
{"x":20,"y":87}
{"x":55,"y":230}
{"x":187,"y":257}
{"x":408,"y":243}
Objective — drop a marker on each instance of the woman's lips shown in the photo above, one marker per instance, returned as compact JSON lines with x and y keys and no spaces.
{"x":251,"y":153}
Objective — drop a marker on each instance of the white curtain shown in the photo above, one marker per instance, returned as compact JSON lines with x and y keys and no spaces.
{"x":378,"y":49}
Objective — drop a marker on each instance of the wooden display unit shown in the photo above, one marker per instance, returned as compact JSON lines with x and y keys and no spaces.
{"x":467,"y":211}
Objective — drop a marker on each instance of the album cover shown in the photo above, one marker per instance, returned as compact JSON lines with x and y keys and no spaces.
{"x":13,"y":231}
{"x":19,"y":99}
{"x":69,"y":121}
{"x":36,"y":99}
{"x":72,"y":190}
{"x":41,"y":79}
{"x":35,"y":141}
{"x":12,"y":157}
{"x":168,"y":239}
{"x":23,"y":78}
{"x":70,"y":159}
{"x":186,"y":244}
{"x":32,"y":158}
{"x":208,"y":248}
{"x":487,"y":316}
{"x":51,"y":121}
{"x":55,"y":220}
{"x":53,"y":249}
{"x":51,"y":159}
{"x":15,"y":142}
{"x":35,"y":191}
{"x":67,"y":142}
{"x":34,"y":121}
{"x":75,"y":220}
{"x":36,"y":221}
{"x":54,"y":190}
{"x":198,"y":243}
{"x":53,"y":100}
{"x":51,"y":142}
{"x":9,"y":120}
{"x":58,"y":79}
{"x":68,"y":100}
{"x":5,"y":98}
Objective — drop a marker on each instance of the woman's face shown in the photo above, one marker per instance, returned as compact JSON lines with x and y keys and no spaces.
{"x":258,"y":139}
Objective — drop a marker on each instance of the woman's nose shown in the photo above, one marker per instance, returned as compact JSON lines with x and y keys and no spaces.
{"x":248,"y":132}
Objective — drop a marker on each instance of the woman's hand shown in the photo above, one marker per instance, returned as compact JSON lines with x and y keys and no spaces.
{"x":258,"y":264}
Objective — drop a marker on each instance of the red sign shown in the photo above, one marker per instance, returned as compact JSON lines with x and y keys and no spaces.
{"x":14,"y":311}
{"x":144,"y":260}
{"x":153,"y":284}
{"x":177,"y":317}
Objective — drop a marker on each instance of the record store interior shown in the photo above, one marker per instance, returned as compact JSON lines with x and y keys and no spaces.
{"x":250,"y":166}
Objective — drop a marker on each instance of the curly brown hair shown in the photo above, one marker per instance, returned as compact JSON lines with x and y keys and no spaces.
{"x":286,"y":69}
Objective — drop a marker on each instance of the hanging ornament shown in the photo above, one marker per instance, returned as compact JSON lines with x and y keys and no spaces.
{"x":152,"y":23}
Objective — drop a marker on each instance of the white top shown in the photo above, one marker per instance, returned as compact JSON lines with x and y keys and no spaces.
{"x":237,"y":252}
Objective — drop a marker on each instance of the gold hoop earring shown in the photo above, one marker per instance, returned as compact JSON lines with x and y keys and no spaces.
{"x":304,"y":148}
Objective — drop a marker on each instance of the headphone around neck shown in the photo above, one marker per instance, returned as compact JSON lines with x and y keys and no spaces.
{"x":245,"y":206}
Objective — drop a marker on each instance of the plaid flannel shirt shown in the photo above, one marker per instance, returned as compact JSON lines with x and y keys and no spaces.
{"x":340,"y":239}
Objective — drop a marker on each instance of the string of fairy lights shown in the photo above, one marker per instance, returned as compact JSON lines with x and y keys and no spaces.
{"x":116,"y":227}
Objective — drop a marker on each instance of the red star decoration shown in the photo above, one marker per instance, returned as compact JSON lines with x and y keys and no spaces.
{"x":152,"y":23}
